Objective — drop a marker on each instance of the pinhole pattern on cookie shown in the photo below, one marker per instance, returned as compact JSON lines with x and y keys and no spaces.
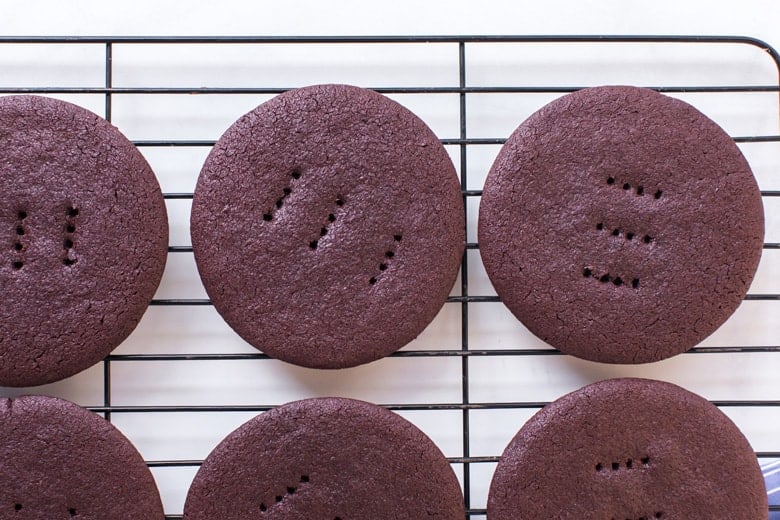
{"x":388,"y":256}
{"x":637,"y":190}
{"x":71,"y":510}
{"x":605,"y":278}
{"x":286,"y":191}
{"x":289,"y":491}
{"x":70,"y":228}
{"x":331,"y":219}
{"x":20,"y":230}
{"x":627,"y":464}
{"x":627,"y":235}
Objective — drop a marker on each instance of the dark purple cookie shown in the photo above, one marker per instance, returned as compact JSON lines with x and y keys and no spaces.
{"x":620,"y":225}
{"x":83,"y":239}
{"x":59,"y":461}
{"x":328,"y":226}
{"x":630,"y":449}
{"x":325,"y":459}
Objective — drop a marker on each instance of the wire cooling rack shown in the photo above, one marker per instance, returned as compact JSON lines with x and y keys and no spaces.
{"x":183,"y":380}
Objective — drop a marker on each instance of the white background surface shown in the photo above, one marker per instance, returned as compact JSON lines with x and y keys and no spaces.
{"x":758,"y":18}
{"x":186,"y":436}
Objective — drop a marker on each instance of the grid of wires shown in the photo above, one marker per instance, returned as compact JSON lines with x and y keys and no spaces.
{"x":462,"y":143}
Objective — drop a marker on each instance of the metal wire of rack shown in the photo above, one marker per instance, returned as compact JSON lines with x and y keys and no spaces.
{"x":464,"y":143}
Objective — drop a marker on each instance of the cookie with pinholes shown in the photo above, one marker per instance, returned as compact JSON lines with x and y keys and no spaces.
{"x":328,"y":226}
{"x":628,"y":449}
{"x":60,"y":461}
{"x":620,"y":225}
{"x":83,"y":239}
{"x":325,"y":458}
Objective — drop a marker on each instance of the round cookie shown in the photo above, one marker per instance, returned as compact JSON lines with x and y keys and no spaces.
{"x":620,"y":225}
{"x":328,"y":226}
{"x":83,"y":239}
{"x":60,"y":461}
{"x":325,"y":458}
{"x":628,"y":449}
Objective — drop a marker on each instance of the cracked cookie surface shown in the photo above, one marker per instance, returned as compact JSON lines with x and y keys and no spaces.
{"x":620,"y":225}
{"x":328,"y":226}
{"x":628,"y":449}
{"x":325,"y":458}
{"x":60,"y":461}
{"x":83,"y":239}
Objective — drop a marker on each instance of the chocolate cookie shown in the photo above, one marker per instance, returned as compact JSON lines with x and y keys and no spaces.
{"x":327,"y":458}
{"x":628,"y":449}
{"x":59,"y":461}
{"x":83,"y":239}
{"x":328,"y":226}
{"x":620,"y":225}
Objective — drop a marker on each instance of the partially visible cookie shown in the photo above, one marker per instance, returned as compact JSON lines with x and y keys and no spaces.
{"x":328,"y":226}
{"x":329,"y":459}
{"x":621,"y":225}
{"x":628,"y":449}
{"x":83,"y":239}
{"x":59,"y":461}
